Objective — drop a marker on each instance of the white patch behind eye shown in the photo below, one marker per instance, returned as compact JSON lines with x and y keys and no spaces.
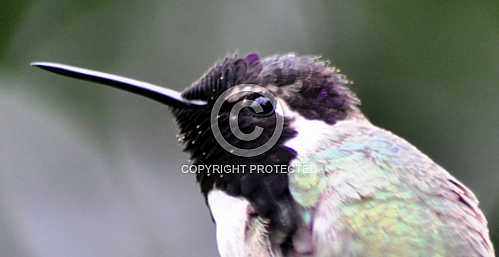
{"x":311,"y":133}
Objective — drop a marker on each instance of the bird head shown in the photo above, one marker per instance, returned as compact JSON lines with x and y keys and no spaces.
{"x":245,"y":111}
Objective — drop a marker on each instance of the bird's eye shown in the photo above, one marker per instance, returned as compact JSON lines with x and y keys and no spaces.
{"x":262,"y":106}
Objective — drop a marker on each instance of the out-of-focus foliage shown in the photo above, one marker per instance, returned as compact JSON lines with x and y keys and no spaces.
{"x":91,"y":171}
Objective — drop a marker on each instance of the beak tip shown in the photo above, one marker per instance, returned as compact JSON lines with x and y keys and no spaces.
{"x":48,"y":66}
{"x":38,"y":64}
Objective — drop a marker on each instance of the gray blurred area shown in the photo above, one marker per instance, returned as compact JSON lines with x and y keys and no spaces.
{"x":89,"y":171}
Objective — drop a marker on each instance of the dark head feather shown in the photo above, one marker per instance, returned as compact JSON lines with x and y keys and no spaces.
{"x":307,"y":84}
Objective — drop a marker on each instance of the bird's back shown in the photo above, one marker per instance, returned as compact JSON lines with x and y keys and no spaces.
{"x":367,"y":192}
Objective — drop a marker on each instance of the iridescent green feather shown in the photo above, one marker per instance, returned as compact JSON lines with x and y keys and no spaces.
{"x":367,"y":192}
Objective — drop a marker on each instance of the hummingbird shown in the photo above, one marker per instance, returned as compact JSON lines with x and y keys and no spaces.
{"x":351,"y":189}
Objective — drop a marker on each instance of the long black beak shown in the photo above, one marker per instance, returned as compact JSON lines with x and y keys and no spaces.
{"x":163,"y":95}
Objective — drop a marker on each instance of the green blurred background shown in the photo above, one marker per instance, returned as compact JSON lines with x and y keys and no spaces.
{"x":92,"y":171}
